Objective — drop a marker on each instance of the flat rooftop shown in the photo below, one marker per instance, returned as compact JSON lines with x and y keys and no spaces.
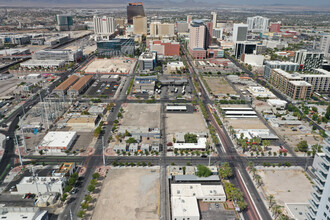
{"x":58,"y":139}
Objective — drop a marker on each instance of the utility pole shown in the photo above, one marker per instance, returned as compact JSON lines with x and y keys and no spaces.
{"x":24,"y":144}
{"x":103,"y":150}
{"x":19,"y":152}
{"x":71,"y":218}
{"x":46,"y":115}
{"x":209,"y":160}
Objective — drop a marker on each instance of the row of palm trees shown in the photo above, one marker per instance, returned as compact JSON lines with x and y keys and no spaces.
{"x":277,"y":210}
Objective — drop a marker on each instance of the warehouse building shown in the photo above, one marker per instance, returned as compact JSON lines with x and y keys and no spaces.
{"x":50,"y":64}
{"x":64,"y":86}
{"x":80,"y":86}
{"x":58,"y":54}
{"x":57,"y":141}
{"x":83,"y":123}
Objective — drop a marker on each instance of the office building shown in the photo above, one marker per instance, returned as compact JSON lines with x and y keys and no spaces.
{"x":159,"y":29}
{"x":182,"y":27}
{"x":133,"y":10}
{"x":240,"y":32}
{"x":173,"y":67}
{"x":325,"y":45}
{"x":308,"y":60}
{"x":147,"y":61}
{"x":165,"y":47}
{"x":104,"y":27}
{"x":292,"y":85}
{"x":41,"y":184}
{"x":286,"y":66}
{"x":200,"y":38}
{"x":319,"y":203}
{"x":214,"y":19}
{"x":275,"y":27}
{"x":116,"y":47}
{"x":217,"y":33}
{"x":58,"y":54}
{"x":209,"y":34}
{"x":257,"y":24}
{"x":64,"y":22}
{"x":246,"y":47}
{"x":26,"y":213}
{"x":140,"y":25}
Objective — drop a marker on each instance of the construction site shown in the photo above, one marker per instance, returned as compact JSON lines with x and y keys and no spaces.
{"x":120,"y":65}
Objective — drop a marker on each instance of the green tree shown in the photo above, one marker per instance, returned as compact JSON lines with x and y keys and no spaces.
{"x":68,"y":188}
{"x":131,"y":140}
{"x":203,"y":171}
{"x":96,"y":175}
{"x":302,"y":146}
{"x":271,"y":200}
{"x":225,"y":171}
{"x":91,"y":188}
{"x":190,"y":138}
{"x":81,"y":214}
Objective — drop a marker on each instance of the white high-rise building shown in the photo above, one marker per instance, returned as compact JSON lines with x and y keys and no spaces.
{"x":319,"y":205}
{"x":258,"y":24}
{"x":240,"y":32}
{"x":325,"y":45}
{"x":214,"y":19}
{"x":104,"y":27}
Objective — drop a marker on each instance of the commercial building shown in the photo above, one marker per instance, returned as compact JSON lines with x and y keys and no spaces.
{"x":64,"y":22}
{"x":147,"y":61}
{"x":275,"y":27}
{"x":83,"y":122}
{"x":277,"y":103}
{"x":257,"y":24}
{"x":161,"y":29}
{"x":240,"y":32}
{"x":64,"y":86}
{"x":116,"y":47}
{"x":319,"y":203}
{"x":14,"y":52}
{"x":245,"y":47}
{"x":145,"y":84}
{"x":58,"y":54}
{"x":200,"y":145}
{"x":133,"y":10}
{"x":43,"y":64}
{"x":80,"y":86}
{"x":165,"y":47}
{"x":308,"y":59}
{"x":179,"y":170}
{"x":140,"y":25}
{"x":26,"y":213}
{"x":36,"y":185}
{"x":200,"y":38}
{"x":325,"y":45}
{"x":253,"y":59}
{"x":173,"y":67}
{"x":104,"y":27}
{"x":185,"y":198}
{"x":56,"y":141}
{"x":291,"y":84}
{"x":286,"y":66}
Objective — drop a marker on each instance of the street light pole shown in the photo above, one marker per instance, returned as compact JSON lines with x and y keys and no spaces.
{"x":103,"y":150}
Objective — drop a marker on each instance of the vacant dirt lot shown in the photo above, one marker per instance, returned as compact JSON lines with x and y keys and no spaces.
{"x":129,"y":193}
{"x":219,"y":85}
{"x":178,"y":122}
{"x":142,"y":115}
{"x":246,"y":123}
{"x":287,"y":186}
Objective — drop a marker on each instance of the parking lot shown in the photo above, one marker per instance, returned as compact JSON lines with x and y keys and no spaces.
{"x":103,"y":88}
{"x":217,"y":211}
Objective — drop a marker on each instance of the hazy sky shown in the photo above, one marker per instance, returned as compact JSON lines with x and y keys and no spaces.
{"x":272,"y":2}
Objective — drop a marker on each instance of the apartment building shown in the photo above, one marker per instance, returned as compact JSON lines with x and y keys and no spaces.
{"x":309,"y":60}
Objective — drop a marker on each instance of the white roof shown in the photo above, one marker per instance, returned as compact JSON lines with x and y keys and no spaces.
{"x":196,"y":190}
{"x":276,"y":102}
{"x":201,"y":144}
{"x":58,"y":139}
{"x":185,"y":207}
{"x":240,"y":112}
{"x":171,"y":107}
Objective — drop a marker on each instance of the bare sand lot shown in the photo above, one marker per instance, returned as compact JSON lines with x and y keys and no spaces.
{"x":219,"y":85}
{"x":142,"y":115}
{"x":246,"y":123}
{"x":287,"y":186}
{"x":129,"y":193}
{"x":176,"y":122}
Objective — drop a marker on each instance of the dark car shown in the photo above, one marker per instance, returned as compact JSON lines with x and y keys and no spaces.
{"x":203,"y":156}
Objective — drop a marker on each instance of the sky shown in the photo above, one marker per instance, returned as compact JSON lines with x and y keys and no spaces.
{"x":271,"y":2}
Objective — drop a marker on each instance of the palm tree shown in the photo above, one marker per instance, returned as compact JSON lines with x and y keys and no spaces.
{"x":258,"y":179}
{"x":254,"y":171}
{"x":276,"y":209}
{"x":250,"y":165}
{"x":270,"y":199}
{"x":266,"y":143}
